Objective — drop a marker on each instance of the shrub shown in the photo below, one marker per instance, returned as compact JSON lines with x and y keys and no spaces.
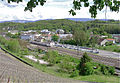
{"x":104,"y":70}
{"x":111,"y":70}
{"x":52,"y":57}
{"x":66,"y":66}
{"x":116,"y":50}
{"x":87,"y":69}
{"x":75,"y":73}
{"x":109,"y":43}
{"x":98,"y":72}
{"x":55,"y":38}
{"x":14,"y":46}
{"x":85,"y":58}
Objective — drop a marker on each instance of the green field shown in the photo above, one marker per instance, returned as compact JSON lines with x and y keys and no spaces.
{"x":113,"y":48}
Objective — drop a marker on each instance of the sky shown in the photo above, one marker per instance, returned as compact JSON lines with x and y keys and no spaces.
{"x":53,"y":9}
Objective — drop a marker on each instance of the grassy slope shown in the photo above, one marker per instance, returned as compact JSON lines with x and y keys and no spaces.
{"x":111,"y":48}
{"x":52,"y":70}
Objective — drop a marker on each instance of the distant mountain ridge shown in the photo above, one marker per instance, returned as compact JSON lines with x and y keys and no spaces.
{"x":73,"y":19}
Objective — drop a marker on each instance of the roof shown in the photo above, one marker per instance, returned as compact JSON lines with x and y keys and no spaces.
{"x":110,"y":39}
{"x":100,"y":40}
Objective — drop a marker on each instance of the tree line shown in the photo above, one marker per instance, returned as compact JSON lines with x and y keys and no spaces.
{"x":112,"y":27}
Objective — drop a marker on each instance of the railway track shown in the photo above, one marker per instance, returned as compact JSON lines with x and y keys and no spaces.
{"x":96,"y":58}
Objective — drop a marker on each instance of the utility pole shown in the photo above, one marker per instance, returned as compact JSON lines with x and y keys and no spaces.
{"x":77,"y":44}
{"x":106,"y":14}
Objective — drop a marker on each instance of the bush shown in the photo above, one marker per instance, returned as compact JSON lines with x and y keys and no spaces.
{"x":86,"y":58}
{"x":75,"y":73}
{"x":109,"y":43}
{"x":116,"y":50}
{"x":87,"y":69}
{"x":104,"y":70}
{"x":66,"y":66}
{"x":52,"y":57}
{"x":55,"y":38}
{"x":111,"y":70}
{"x":98,"y":72}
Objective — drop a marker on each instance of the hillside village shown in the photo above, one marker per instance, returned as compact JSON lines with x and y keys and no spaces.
{"x":60,"y":49}
{"x":60,"y":41}
{"x":46,"y":36}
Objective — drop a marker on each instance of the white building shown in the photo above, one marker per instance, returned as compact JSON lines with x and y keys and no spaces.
{"x":60,"y":31}
{"x":52,"y":44}
{"x":13,"y":32}
{"x":103,"y":42}
{"x":64,"y":35}
{"x":45,"y":31}
{"x":27,"y":37}
{"x":29,"y":31}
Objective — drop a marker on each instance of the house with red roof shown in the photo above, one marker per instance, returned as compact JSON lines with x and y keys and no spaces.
{"x":104,"y":41}
{"x":116,"y":37}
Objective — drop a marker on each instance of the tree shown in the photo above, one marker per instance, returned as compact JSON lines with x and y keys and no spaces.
{"x":85,"y":67}
{"x":109,"y":43}
{"x":80,"y":37}
{"x":85,"y":58}
{"x":14,"y":46}
{"x":55,"y":38}
{"x":52,"y":57}
{"x":93,"y":41}
{"x":114,"y":5}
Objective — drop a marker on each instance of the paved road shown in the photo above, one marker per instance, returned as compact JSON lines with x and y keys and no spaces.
{"x":109,"y":54}
{"x":12,"y":70}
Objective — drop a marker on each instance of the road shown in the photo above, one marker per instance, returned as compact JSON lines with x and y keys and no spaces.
{"x":14,"y":71}
{"x":109,"y":54}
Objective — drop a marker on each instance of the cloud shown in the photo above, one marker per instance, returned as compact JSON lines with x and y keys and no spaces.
{"x":53,"y":9}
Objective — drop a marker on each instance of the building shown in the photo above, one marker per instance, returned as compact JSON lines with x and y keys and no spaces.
{"x":36,"y":35}
{"x":103,"y":41}
{"x":27,"y":37}
{"x":104,"y":36}
{"x":60,"y":31}
{"x":45,"y":31}
{"x":52,"y":44}
{"x":116,"y":37}
{"x":40,"y":39}
{"x":29,"y":31}
{"x":64,"y":36}
{"x":13,"y":32}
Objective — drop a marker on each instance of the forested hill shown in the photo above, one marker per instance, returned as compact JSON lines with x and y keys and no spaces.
{"x":110,"y":26}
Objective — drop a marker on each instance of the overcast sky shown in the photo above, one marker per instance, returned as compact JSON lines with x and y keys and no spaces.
{"x":53,"y":9}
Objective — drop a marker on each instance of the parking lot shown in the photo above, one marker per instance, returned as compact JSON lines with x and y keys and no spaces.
{"x":90,"y":50}
{"x":79,"y":48}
